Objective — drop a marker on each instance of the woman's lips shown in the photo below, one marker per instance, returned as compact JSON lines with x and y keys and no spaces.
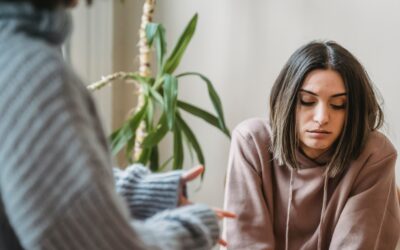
{"x":318,"y":134}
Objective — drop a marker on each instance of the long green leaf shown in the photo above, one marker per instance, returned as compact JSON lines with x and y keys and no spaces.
{"x":148,"y":81}
{"x":151,"y":32}
{"x":150,"y":114}
{"x":158,"y":82}
{"x":192,"y":139}
{"x":165,"y":164}
{"x":154,"y":159}
{"x":145,"y":156}
{"x":156,"y":33}
{"x":157,"y":135}
{"x":170,"y":88}
{"x":127,"y":131}
{"x":129,"y":150}
{"x":178,"y":149}
{"x":206,"y":116}
{"x":156,"y":96}
{"x":115,"y":134}
{"x":138,"y":117}
{"x":216,"y":101}
{"x":173,"y":61}
{"x":119,"y":138}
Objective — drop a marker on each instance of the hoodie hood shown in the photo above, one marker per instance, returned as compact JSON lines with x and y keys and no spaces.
{"x":305,"y":162}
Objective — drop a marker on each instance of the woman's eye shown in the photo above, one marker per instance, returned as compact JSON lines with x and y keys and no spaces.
{"x":306,"y":103}
{"x":342,"y":106}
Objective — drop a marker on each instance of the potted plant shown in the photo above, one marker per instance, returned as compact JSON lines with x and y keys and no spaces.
{"x":159,"y":110}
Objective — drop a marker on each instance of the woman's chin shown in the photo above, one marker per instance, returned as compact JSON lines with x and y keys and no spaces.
{"x":313,"y":149}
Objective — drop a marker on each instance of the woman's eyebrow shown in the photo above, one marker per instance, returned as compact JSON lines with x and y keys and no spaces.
{"x":314,"y":94}
{"x":309,"y":92}
{"x":340,"y":94}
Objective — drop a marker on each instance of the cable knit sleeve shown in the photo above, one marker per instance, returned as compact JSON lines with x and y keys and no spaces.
{"x":145,"y":193}
{"x":57,"y":188}
{"x":188,"y":226}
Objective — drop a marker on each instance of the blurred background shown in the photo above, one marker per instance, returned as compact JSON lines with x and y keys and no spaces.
{"x":241,"y":46}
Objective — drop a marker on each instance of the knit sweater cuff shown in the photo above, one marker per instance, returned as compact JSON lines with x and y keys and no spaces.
{"x":145,"y":193}
{"x":208,"y":218}
{"x":195,"y":226}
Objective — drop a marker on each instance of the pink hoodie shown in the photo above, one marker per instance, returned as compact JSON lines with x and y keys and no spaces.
{"x":279,"y":208}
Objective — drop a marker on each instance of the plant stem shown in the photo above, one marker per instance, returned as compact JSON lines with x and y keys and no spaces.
{"x":144,"y":71}
{"x":105,"y":80}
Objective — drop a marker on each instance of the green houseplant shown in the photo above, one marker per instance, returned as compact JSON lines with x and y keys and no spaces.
{"x":159,"y":110}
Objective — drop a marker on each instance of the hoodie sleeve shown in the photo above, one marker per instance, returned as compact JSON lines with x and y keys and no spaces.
{"x":244,"y":195}
{"x":145,"y":193}
{"x":371,"y":216}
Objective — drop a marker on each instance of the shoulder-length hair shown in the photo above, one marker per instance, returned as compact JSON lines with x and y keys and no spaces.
{"x":363,"y":111}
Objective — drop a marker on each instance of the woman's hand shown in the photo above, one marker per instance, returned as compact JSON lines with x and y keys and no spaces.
{"x":191,"y":175}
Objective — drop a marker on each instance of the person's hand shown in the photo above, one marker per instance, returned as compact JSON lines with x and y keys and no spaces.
{"x":222,"y":214}
{"x":187,"y":177}
{"x":191,"y":175}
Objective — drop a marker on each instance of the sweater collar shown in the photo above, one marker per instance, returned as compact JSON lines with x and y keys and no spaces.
{"x":306,"y":162}
{"x":51,"y":25}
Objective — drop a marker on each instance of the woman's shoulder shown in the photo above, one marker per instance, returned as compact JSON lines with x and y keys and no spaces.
{"x":256,"y":128}
{"x":378,"y":146}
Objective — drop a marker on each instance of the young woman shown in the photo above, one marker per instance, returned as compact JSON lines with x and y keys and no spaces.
{"x":56,"y":181}
{"x":318,"y":174}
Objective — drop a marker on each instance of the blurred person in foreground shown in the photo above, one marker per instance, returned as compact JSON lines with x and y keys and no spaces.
{"x":58,"y":189}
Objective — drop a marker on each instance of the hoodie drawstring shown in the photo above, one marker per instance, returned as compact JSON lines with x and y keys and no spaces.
{"x":324,"y":204}
{"x":288,"y":210}
{"x":324,"y":201}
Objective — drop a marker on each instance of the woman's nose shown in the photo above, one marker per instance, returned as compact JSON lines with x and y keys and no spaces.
{"x":321,"y":114}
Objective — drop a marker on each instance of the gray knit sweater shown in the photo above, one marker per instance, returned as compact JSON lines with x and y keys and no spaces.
{"x":56,"y":182}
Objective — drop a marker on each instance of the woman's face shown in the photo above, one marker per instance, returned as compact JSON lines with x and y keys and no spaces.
{"x":321,"y":111}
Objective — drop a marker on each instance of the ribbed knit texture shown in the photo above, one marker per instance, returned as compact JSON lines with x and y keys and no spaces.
{"x":56,"y":182}
{"x":147,"y":194}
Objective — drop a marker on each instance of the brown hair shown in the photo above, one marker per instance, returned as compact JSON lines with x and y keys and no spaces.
{"x":363,"y":111}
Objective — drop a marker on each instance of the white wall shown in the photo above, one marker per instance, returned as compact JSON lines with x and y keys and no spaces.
{"x":242,"y":45}
{"x":91,"y":51}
